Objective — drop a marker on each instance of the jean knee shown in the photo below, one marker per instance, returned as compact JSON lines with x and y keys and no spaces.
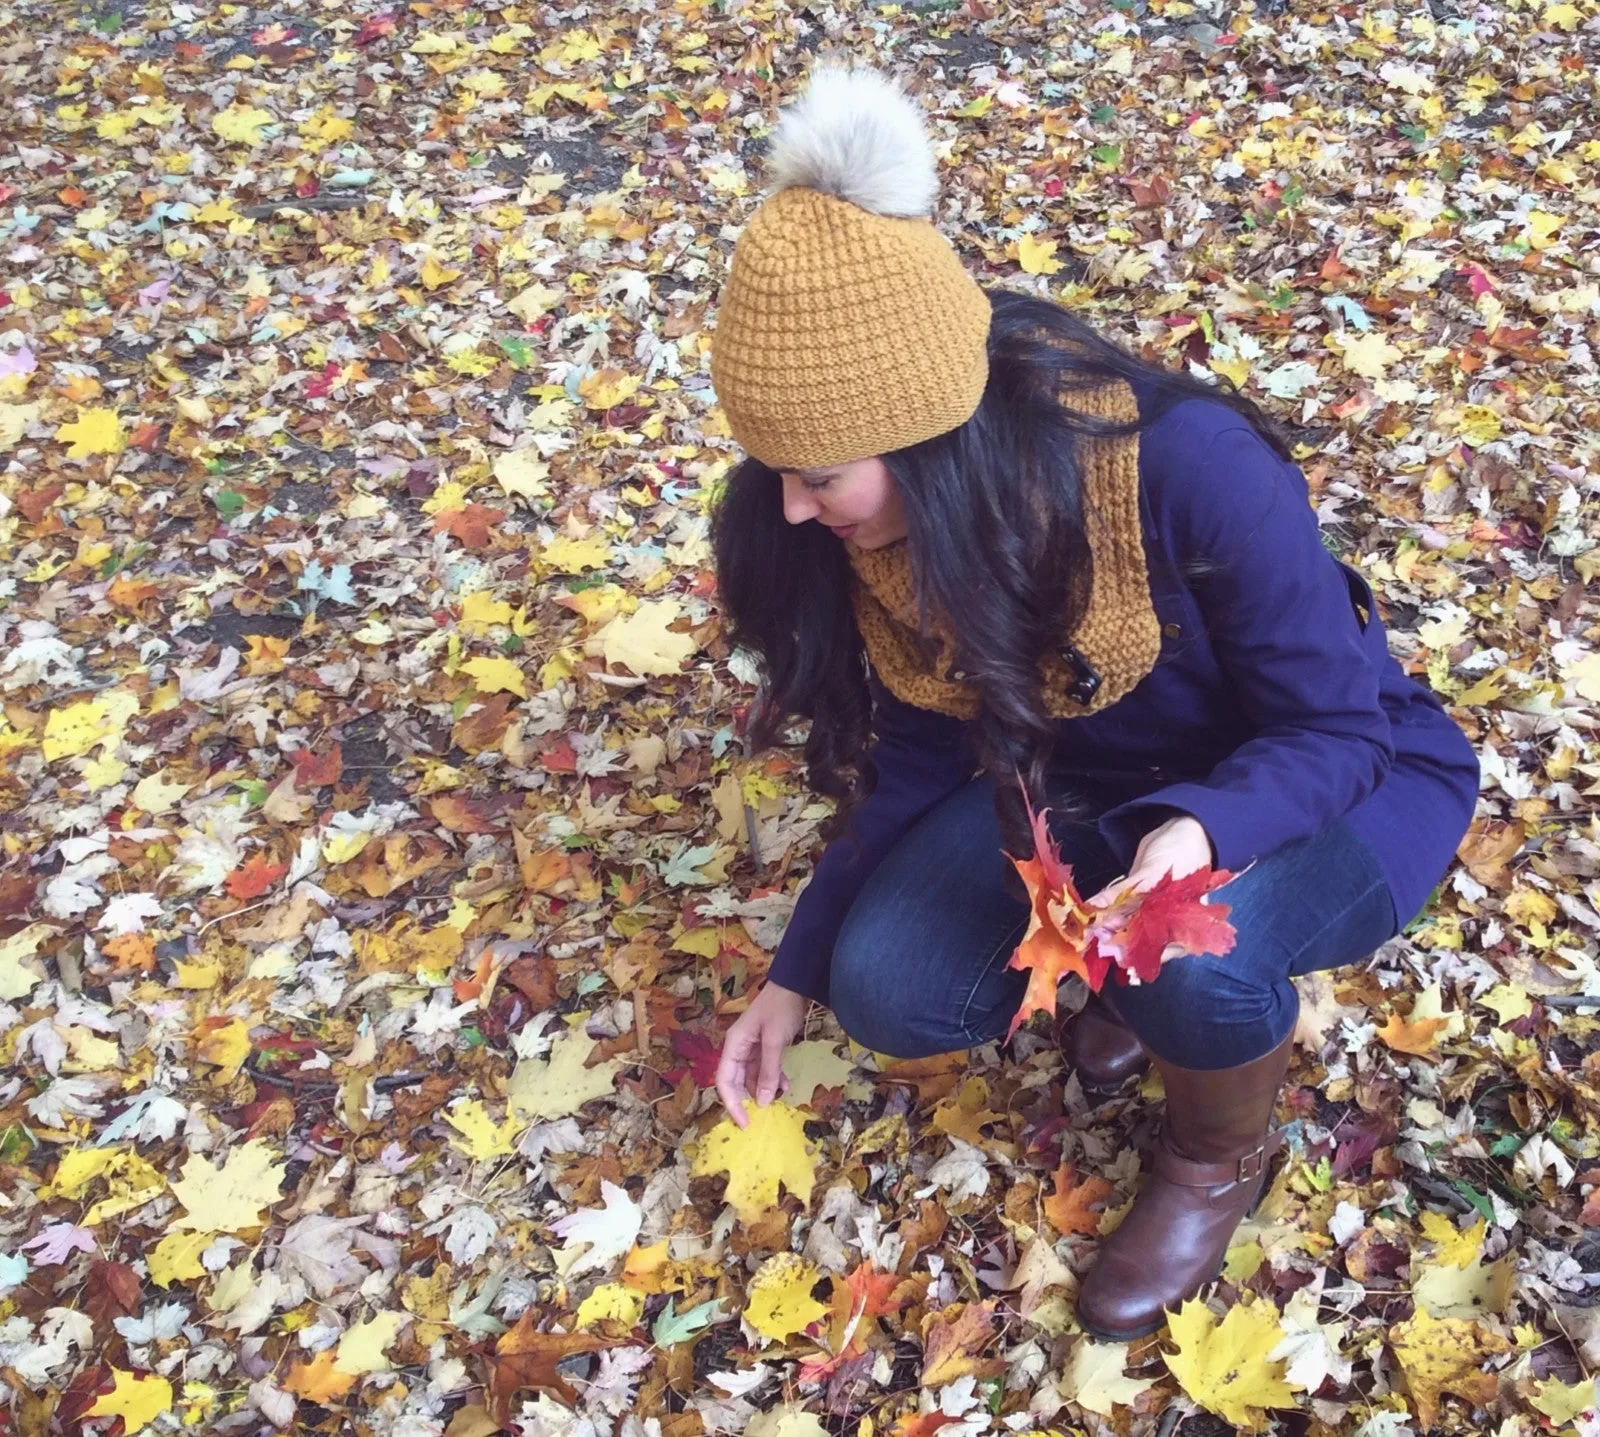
{"x":857,"y":990}
{"x":1202,"y":1011}
{"x":875,"y":1005}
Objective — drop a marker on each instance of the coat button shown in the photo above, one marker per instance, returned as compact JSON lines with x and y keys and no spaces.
{"x":1172,"y":631}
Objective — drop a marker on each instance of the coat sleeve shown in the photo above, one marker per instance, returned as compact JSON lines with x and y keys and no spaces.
{"x":1281,"y":621}
{"x":921,"y":758}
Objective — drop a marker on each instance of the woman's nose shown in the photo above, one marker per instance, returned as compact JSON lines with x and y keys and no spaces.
{"x":798,"y":505}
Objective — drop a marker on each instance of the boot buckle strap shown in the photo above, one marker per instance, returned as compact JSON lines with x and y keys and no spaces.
{"x":1253,"y":1164}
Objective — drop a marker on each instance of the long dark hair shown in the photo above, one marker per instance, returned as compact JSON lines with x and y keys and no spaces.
{"x":998,"y":540}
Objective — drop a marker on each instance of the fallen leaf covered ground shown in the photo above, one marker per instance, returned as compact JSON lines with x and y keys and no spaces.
{"x":381,"y":860}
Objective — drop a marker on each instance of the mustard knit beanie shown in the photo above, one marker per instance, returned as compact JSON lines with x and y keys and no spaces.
{"x":848,"y":326}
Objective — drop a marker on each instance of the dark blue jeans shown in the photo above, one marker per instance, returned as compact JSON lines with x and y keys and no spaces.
{"x":920,"y":964}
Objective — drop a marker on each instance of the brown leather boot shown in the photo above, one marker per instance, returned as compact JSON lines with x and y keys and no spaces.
{"x":1210,"y":1168}
{"x":1101,"y":1048}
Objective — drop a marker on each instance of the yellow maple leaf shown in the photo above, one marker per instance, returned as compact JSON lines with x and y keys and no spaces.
{"x":643,"y":643}
{"x":157,"y":792}
{"x":435,"y":275}
{"x":1455,"y":1247}
{"x":1037,"y":256}
{"x":1563,"y":17}
{"x":572,"y":556}
{"x":610,"y":1302}
{"x":1563,"y":1402}
{"x":607,"y":388}
{"x":362,"y":1347}
{"x":138,"y":1398}
{"x":19,"y":970}
{"x":1445,"y":1354}
{"x":480,"y":611}
{"x":485,"y":1138}
{"x":521,"y":472}
{"x":1368,"y":355}
{"x":1224,"y":1365}
{"x":77,"y":728}
{"x":1094,"y":1377}
{"x":771,"y":1149}
{"x":1542,"y":227}
{"x":116,"y":124}
{"x":1478,"y":425}
{"x":227,"y":1047}
{"x":229,"y":1198}
{"x":14,"y":421}
{"x":1469,"y":1291}
{"x":94,"y":431}
{"x":779,"y":1301}
{"x":242,"y":124}
{"x":176,"y":1257}
{"x":541,"y":1089}
{"x":496,"y":675}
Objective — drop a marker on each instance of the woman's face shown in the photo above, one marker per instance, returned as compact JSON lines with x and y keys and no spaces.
{"x":857,"y":500}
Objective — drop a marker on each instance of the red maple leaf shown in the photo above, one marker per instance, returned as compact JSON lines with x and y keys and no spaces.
{"x":701,"y":1054}
{"x":254,"y":876}
{"x":1054,"y":944}
{"x":375,"y":28}
{"x":470,"y":525}
{"x":317,"y":770}
{"x":1138,"y":928}
{"x":1128,"y":936}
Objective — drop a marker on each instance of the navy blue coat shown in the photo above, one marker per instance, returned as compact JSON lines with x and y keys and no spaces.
{"x":1275,"y":708}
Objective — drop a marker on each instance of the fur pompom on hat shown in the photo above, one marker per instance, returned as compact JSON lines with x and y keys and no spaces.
{"x":848,"y":326}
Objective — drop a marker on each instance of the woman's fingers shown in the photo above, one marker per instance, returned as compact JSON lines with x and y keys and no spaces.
{"x":773,"y":1042}
{"x":731,"y":1072}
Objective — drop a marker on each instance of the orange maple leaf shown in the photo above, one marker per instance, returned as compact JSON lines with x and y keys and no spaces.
{"x":952,"y":1340}
{"x":1055,"y":942}
{"x":319,"y":1380}
{"x":317,"y":770}
{"x":254,"y":876}
{"x":470,"y":524}
{"x":1072,"y":1207}
{"x":526,"y":1358}
{"x":1415,"y":1036}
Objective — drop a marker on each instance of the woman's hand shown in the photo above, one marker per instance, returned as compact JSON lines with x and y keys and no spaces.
{"x":755,"y":1046}
{"x":1179,"y":846}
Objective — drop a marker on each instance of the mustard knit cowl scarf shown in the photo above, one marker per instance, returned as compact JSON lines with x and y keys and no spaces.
{"x":1114,"y":645}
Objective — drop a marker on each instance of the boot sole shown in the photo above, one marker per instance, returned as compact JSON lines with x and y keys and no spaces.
{"x":1101,"y":1334}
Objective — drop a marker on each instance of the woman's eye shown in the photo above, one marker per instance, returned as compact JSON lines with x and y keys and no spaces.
{"x":812,"y":485}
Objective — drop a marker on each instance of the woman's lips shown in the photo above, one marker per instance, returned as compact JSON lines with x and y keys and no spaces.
{"x":843,"y":532}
